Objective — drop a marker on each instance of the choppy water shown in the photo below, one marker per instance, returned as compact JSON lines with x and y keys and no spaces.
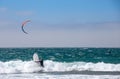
{"x":60,"y":63}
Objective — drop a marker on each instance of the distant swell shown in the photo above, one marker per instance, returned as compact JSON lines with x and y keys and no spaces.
{"x":19,"y":66}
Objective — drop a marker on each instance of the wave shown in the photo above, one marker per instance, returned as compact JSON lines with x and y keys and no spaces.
{"x":19,"y":66}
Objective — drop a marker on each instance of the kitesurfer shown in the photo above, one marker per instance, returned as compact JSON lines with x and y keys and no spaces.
{"x":37,"y":60}
{"x":40,"y":62}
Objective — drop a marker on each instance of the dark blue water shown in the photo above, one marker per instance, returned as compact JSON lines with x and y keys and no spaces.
{"x":107,"y":55}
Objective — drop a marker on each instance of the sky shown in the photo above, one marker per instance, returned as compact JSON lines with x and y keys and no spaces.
{"x":60,"y":23}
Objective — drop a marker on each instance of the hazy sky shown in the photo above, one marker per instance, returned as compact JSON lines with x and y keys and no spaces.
{"x":60,"y":23}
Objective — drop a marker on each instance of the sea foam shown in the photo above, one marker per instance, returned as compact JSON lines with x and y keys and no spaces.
{"x":19,"y":66}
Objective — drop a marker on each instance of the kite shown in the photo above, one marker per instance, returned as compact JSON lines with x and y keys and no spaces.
{"x":23,"y":24}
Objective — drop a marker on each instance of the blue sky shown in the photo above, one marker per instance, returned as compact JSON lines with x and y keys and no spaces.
{"x":60,"y":23}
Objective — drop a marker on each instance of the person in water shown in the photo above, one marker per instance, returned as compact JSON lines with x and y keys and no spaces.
{"x":37,"y":60}
{"x":40,"y":62}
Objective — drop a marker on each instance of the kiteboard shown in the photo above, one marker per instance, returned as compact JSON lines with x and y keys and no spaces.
{"x":36,"y":57}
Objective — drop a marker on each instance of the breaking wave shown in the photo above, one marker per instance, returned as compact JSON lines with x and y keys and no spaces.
{"x":19,"y":66}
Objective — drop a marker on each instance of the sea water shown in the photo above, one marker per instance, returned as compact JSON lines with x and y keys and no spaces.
{"x":60,"y":63}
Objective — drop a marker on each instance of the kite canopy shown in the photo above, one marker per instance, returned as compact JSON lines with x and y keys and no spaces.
{"x":23,"y":24}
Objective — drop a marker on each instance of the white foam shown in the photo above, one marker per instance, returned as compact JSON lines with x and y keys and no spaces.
{"x":20,"y":66}
{"x":80,"y":66}
{"x":48,"y":76}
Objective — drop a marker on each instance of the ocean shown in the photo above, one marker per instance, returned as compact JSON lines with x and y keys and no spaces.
{"x":60,"y":63}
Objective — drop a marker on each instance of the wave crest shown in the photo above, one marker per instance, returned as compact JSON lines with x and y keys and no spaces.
{"x":19,"y":66}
